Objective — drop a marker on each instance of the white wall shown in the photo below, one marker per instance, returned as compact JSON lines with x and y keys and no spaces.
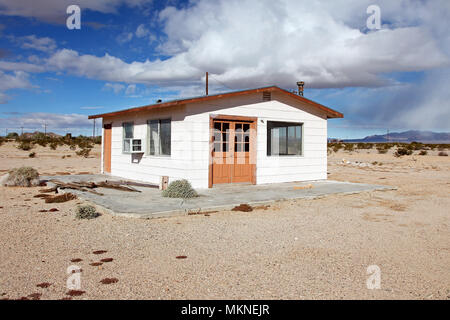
{"x":190,"y":141}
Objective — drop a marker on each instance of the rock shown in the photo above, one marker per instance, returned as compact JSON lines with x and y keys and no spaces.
{"x":3,"y":179}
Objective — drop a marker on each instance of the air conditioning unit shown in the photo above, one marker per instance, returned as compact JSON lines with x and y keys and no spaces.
{"x":136,"y":146}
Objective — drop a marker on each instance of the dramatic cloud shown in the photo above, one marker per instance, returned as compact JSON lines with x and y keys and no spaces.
{"x":250,"y":43}
{"x":55,"y":10}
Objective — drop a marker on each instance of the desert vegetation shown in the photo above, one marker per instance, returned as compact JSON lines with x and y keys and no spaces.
{"x":82,"y":144}
{"x":180,"y":189}
{"x":399,"y":148}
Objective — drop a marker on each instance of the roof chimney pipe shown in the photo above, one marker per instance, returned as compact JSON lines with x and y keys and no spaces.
{"x":300,"y":85}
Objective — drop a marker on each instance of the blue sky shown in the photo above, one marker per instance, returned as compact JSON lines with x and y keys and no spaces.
{"x":133,"y":52}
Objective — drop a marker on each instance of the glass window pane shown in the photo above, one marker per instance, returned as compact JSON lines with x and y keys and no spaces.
{"x":284,"y":138}
{"x":165,"y":136}
{"x":217,"y":147}
{"x":128,"y":130}
{"x":126,"y":145}
{"x":154,"y":137}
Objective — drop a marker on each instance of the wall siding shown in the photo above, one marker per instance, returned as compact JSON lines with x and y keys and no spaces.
{"x":190,"y":147}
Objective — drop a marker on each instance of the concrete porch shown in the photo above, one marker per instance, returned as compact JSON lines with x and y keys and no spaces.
{"x":150,"y":204}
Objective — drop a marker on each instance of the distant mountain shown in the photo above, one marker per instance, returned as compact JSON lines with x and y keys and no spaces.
{"x":407,"y":136}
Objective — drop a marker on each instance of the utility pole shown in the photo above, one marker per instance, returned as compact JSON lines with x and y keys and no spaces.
{"x":22,"y":131}
{"x":388,"y":135}
{"x":45,"y":128}
{"x":206,"y":83}
{"x":93,"y":131}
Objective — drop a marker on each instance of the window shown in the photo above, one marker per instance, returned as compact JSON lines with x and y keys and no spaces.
{"x":284,"y":138}
{"x":159,"y":137}
{"x":128,"y":129}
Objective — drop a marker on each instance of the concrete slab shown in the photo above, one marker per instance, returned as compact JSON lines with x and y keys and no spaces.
{"x":150,"y":204}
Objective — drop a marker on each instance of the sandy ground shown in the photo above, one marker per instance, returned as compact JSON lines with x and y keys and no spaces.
{"x":305,"y":249}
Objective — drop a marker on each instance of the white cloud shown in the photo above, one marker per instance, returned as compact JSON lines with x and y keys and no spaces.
{"x":35,"y":120}
{"x":124,"y":37}
{"x":15,"y":80}
{"x":116,"y":87}
{"x":131,"y":89}
{"x":44,"y":44}
{"x":55,"y":10}
{"x":142,"y":31}
{"x":248,"y":43}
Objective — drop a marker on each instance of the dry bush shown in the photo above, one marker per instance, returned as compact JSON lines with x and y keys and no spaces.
{"x":32,"y":155}
{"x":180,"y":189}
{"x":403,"y":152}
{"x":22,"y":177}
{"x":25,"y":146}
{"x":84,"y":152}
{"x":349,"y":147}
{"x":443,"y":154}
{"x":423,"y":153}
{"x":86,"y":212}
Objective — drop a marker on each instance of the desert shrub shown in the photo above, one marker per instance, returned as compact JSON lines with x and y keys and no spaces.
{"x":180,"y":189}
{"x":84,"y":152}
{"x":349,"y":147}
{"x":443,"y":154}
{"x":12,"y":135}
{"x":402,"y":152}
{"x":23,"y":177}
{"x":423,"y":153}
{"x":337,"y":146}
{"x":72,"y":146}
{"x":25,"y":146}
{"x":53,"y":145}
{"x":2,"y":141}
{"x":362,"y":145}
{"x":32,"y":155}
{"x":86,"y":212}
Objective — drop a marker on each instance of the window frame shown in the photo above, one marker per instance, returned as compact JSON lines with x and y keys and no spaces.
{"x":286,"y":125}
{"x":148,"y":147}
{"x":124,"y":138}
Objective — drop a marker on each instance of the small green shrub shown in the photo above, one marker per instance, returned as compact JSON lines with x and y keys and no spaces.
{"x":86,"y":212}
{"x":180,"y":189}
{"x":23,"y":177}
{"x":403,"y":152}
{"x":362,"y":145}
{"x":25,"y":146}
{"x":382,"y":151}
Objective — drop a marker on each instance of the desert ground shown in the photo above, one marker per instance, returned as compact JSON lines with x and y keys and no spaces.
{"x":303,"y":249}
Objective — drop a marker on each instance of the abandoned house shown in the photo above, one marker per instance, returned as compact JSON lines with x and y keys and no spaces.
{"x":258,"y":136}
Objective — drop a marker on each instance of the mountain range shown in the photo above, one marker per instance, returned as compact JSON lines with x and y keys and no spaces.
{"x":407,"y":136}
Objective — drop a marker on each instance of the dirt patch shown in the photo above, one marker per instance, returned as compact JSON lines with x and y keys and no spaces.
{"x":109,"y":280}
{"x":44,"y":285}
{"x":99,"y":252}
{"x":75,"y":293}
{"x":243,"y":207}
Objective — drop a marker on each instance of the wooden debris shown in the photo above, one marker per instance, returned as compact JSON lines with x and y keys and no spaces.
{"x":61,"y":198}
{"x":308,"y":186}
{"x":243,"y":207}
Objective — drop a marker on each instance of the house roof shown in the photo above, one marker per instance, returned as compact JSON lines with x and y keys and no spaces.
{"x":330,"y":112}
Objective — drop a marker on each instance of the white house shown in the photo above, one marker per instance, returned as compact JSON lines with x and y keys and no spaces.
{"x":258,"y":136}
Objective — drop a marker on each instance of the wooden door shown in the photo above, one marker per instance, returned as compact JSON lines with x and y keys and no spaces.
{"x":233,"y":147}
{"x":107,"y":148}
